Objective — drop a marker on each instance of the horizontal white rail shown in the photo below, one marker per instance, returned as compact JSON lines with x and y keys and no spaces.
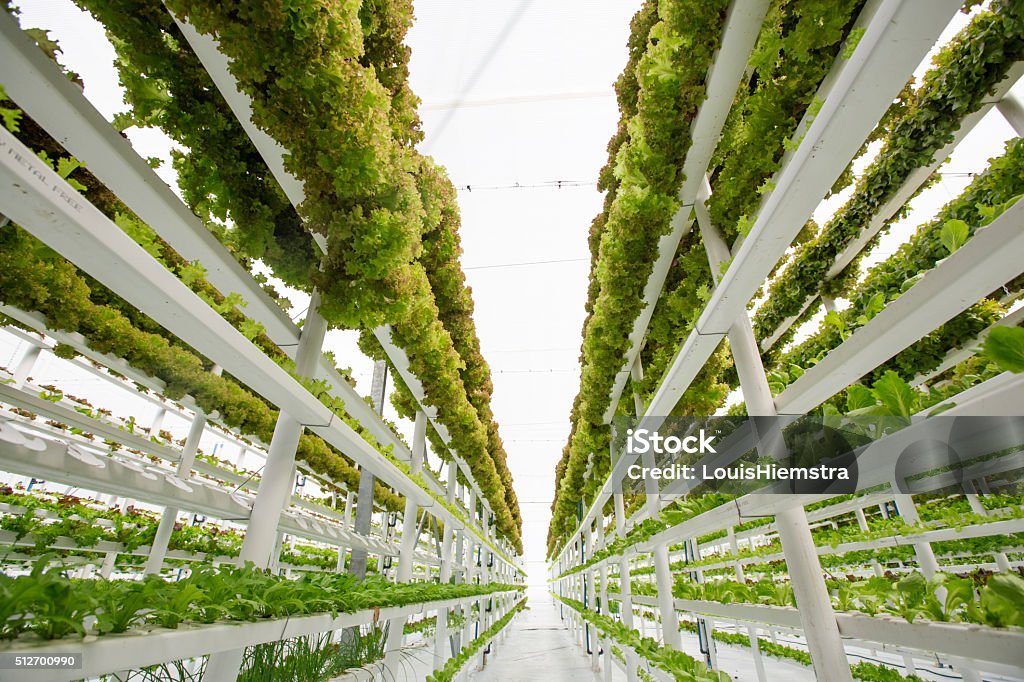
{"x":135,"y":650}
{"x":965,"y":640}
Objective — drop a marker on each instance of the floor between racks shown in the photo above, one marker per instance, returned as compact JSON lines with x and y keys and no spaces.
{"x":540,"y":647}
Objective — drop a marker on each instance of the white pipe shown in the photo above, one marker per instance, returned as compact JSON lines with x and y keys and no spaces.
{"x":276,"y":483}
{"x":26,"y":365}
{"x":1012,"y":110}
{"x":666,"y":602}
{"x":816,"y":615}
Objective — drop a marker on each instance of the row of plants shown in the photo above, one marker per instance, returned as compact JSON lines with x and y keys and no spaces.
{"x":851,"y":534}
{"x":966,"y":55}
{"x":890,"y":396}
{"x":979,"y":54}
{"x":952,"y":556}
{"x":313,"y":658}
{"x":681,"y":510}
{"x":428,"y":626}
{"x":984,"y":200}
{"x":795,"y":50}
{"x":455,"y":509}
{"x":682,"y":667}
{"x":995,"y":603}
{"x":877,"y":399}
{"x":936,"y":514}
{"x":36,"y":279}
{"x":366,"y":178}
{"x":627,"y":91}
{"x":453,"y":665}
{"x":680,"y":44}
{"x":862,"y":670}
{"x":965,"y":71}
{"x":943,"y":512}
{"x":798,"y":45}
{"x":442,"y":251}
{"x":81,"y":520}
{"x":684,"y":509}
{"x":49,"y":605}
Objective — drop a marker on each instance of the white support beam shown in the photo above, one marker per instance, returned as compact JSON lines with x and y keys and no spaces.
{"x":169,"y":517}
{"x":1013,"y":111}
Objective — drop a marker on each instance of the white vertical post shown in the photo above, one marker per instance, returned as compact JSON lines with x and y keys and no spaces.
{"x":471,"y":570}
{"x":862,"y":523}
{"x":816,"y":615}
{"x":666,"y":602}
{"x":109,"y":560}
{"x":157,"y":553}
{"x":364,"y":499}
{"x":26,"y":364}
{"x":275,"y":485}
{"x":240,"y":456}
{"x":709,"y":624}
{"x":734,"y":546}
{"x":971,"y":493}
{"x":625,"y":591}
{"x":755,"y":648}
{"x":636,"y":373}
{"x":922,"y":550}
{"x":441,"y":631}
{"x":1011,"y":109}
{"x":591,"y":597}
{"x":396,"y":626}
{"x":158,"y":421}
{"x":350,"y":500}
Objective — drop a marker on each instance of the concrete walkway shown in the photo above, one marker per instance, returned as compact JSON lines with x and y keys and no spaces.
{"x":539,"y":648}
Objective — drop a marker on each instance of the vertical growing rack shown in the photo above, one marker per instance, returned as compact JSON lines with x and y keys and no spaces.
{"x":623,"y":569}
{"x":49,"y":436}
